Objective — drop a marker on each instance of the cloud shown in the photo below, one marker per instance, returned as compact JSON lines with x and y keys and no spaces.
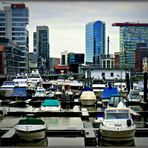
{"x":67,"y":20}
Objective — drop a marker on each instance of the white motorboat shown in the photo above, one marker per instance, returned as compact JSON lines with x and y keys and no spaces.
{"x":7,"y":87}
{"x":30,"y":129}
{"x":98,"y":85}
{"x":88,"y":98}
{"x":58,"y":92}
{"x":117,"y":125}
{"x":21,"y":80}
{"x":33,"y":80}
{"x":40,"y":92}
{"x":35,"y":77}
{"x":134,"y":95}
{"x":51,"y":105}
{"x":50,"y":93}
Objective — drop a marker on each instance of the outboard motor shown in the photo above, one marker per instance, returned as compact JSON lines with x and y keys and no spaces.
{"x":129,"y":123}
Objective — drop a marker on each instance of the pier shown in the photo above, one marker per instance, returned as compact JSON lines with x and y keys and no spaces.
{"x":88,"y":136}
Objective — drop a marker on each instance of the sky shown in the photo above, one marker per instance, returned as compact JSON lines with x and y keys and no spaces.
{"x":67,"y":19}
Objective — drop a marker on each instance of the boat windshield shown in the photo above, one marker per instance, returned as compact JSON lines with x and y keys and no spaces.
{"x":34,"y":76}
{"x":117,"y":116}
{"x":8,"y":83}
{"x":21,"y":77}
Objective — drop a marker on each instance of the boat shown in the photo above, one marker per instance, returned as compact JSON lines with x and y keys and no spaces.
{"x":21,"y":80}
{"x":97,"y":121}
{"x":30,"y":129}
{"x":134,"y":95}
{"x":98,"y":85}
{"x":51,"y":105}
{"x":7,"y":88}
{"x":40,"y":92}
{"x":50,"y":93}
{"x":88,"y":97}
{"x":115,"y":99}
{"x":117,"y":125}
{"x":34,"y":80}
{"x":107,"y":93}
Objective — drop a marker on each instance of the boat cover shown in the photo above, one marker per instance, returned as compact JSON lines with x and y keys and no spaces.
{"x":31,"y":121}
{"x":51,"y":102}
{"x":87,"y":89}
{"x":108,"y":92}
{"x":19,"y":92}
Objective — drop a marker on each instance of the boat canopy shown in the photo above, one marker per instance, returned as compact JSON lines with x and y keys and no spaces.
{"x":108,"y":92}
{"x":87,"y":89}
{"x":51,"y":102}
{"x":19,"y":92}
{"x":33,"y":121}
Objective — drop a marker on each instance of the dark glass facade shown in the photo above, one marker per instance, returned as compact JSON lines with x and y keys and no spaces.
{"x":74,"y":58}
{"x":95,"y":41}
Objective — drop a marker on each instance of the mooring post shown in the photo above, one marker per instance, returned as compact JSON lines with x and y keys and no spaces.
{"x":145,"y":95}
{"x":145,"y":87}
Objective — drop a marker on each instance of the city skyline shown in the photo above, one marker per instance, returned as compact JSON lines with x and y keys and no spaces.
{"x":67,"y":20}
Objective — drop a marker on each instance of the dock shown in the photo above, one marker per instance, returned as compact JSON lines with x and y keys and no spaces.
{"x":86,"y":136}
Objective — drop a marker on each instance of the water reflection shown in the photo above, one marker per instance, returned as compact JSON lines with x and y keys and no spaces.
{"x":130,"y":143}
{"x":90,"y":108}
{"x":36,"y":143}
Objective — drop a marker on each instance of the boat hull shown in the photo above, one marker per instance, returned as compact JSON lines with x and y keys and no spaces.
{"x":30,"y":136}
{"x":118,"y":134}
{"x":31,"y":132}
{"x":87,"y":102}
{"x":50,"y":109}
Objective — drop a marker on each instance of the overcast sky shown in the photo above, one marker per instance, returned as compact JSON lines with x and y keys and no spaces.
{"x":67,"y":20}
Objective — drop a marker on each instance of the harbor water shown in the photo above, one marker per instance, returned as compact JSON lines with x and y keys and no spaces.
{"x":63,"y":123}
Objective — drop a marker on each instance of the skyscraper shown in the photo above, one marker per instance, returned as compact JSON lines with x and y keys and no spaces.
{"x":95,"y":41}
{"x":42,"y":47}
{"x":130,"y":35}
{"x":13,"y":25}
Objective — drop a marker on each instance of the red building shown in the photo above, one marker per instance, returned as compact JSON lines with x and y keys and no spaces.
{"x":117,"y":60}
{"x":140,"y":53}
{"x":62,"y":69}
{"x":2,"y":59}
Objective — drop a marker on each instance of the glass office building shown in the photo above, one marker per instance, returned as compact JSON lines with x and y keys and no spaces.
{"x":13,"y":25}
{"x":130,"y":35}
{"x":41,"y":43}
{"x":95,"y":42}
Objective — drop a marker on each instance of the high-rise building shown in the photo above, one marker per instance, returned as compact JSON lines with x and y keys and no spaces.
{"x":141,"y":52}
{"x":13,"y":25}
{"x":130,"y":35}
{"x":41,"y":37}
{"x":95,"y":42}
{"x":34,"y":42}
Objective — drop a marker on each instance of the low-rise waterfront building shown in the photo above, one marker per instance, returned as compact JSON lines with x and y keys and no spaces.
{"x":10,"y":57}
{"x":95,"y":72}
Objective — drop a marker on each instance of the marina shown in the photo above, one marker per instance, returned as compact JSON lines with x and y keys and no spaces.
{"x":74,"y":125}
{"x":71,"y":116}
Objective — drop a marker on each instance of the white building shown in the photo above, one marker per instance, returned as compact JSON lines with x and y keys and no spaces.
{"x":108,"y":74}
{"x":102,"y":73}
{"x":145,"y":65}
{"x":13,"y":25}
{"x":64,"y":57}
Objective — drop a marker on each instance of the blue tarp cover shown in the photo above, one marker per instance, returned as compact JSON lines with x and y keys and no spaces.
{"x":19,"y":92}
{"x":108,"y":92}
{"x":87,"y":89}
